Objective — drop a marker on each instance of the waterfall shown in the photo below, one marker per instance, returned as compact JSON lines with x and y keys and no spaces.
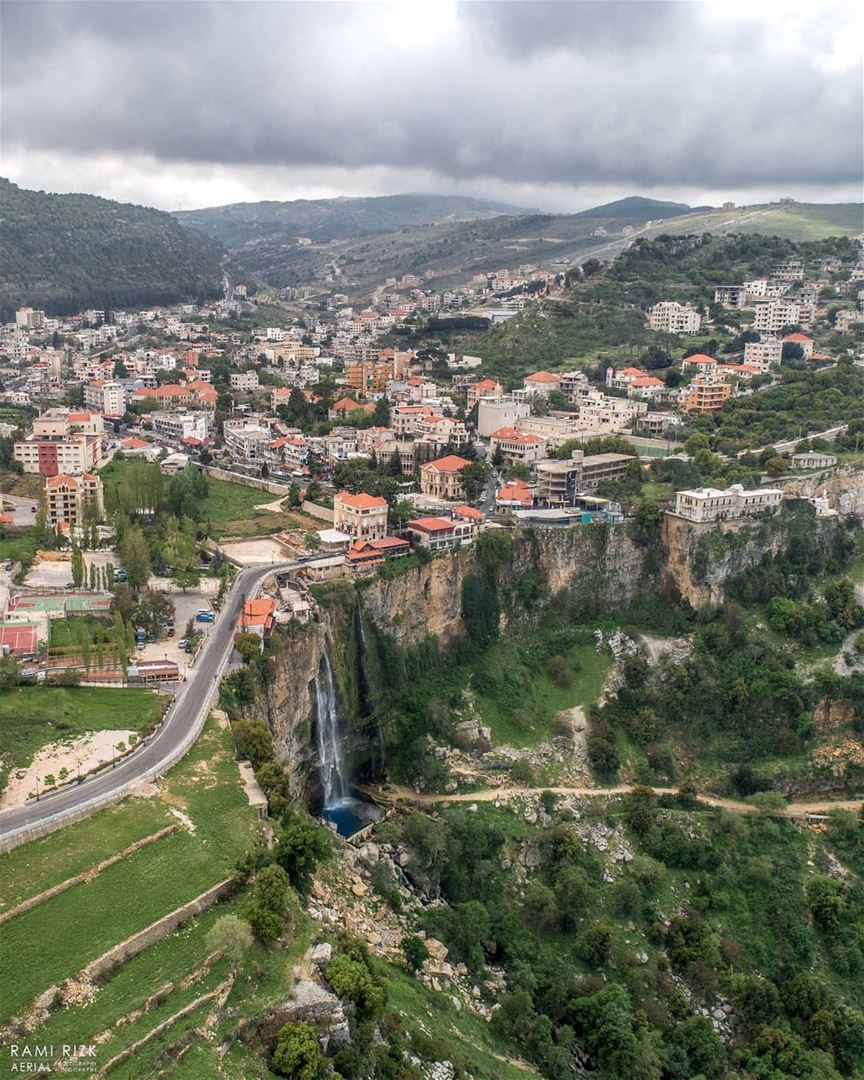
{"x":333,"y":770}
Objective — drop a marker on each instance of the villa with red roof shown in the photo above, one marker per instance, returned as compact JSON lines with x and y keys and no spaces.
{"x":510,"y":446}
{"x":442,"y":478}
{"x":698,"y":362}
{"x":370,"y":554}
{"x":258,"y":617}
{"x":361,"y":516}
{"x":515,"y":495}
{"x":485,"y":388}
{"x":541,"y":382}
{"x":436,"y":533}
{"x":803,"y":340}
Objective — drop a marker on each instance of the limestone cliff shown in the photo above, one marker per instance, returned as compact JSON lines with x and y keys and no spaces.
{"x":600,"y":564}
{"x":843,"y":487}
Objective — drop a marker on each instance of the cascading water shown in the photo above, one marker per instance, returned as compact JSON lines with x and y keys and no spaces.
{"x":333,"y":772}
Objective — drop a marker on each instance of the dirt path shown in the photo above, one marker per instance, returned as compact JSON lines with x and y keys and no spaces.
{"x":405,"y":794}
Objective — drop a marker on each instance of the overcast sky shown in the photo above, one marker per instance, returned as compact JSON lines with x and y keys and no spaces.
{"x":558,"y":105}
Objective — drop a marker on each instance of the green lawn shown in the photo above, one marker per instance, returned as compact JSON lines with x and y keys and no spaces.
{"x":58,"y":938}
{"x":34,"y":716}
{"x":19,"y":548}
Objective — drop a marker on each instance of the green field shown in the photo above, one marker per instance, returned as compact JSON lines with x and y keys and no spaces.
{"x":20,"y":548}
{"x":134,"y":892}
{"x":34,"y":716}
{"x":808,"y":221}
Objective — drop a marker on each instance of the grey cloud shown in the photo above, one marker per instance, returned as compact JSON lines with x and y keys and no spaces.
{"x":635,"y":94}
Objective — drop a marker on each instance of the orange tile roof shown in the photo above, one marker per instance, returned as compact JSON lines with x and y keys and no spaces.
{"x":797,"y":337}
{"x":543,"y":376}
{"x":485,"y":384}
{"x":471,"y":512}
{"x":431,"y":524}
{"x":362,"y":501}
{"x":512,"y":435}
{"x":699,"y":358}
{"x":450,"y":464}
{"x":345,"y":404}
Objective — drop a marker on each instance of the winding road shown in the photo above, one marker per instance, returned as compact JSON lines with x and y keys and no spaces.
{"x":179,"y":730}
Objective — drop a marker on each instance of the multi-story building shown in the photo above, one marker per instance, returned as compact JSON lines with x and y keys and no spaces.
{"x":67,"y":499}
{"x":510,"y":446}
{"x":436,"y":533}
{"x":541,"y":384}
{"x":362,"y":516}
{"x":180,"y":426}
{"x":803,"y":340}
{"x":108,"y":397}
{"x":763,"y":354}
{"x":441,"y":430}
{"x":59,"y":446}
{"x":369,"y":376}
{"x":791,"y":271}
{"x":574,"y":384}
{"x":558,"y":482}
{"x":553,"y":430}
{"x":442,"y":478}
{"x":600,"y":413}
{"x":243,"y":380}
{"x":670,"y":317}
{"x":712,"y":504}
{"x":731,"y":296}
{"x":706,"y":394}
{"x":29,"y":318}
{"x":773,"y":315}
{"x":485,"y":389}
{"x":492,"y":415}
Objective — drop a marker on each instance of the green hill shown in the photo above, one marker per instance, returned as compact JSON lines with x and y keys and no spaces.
{"x":323,"y":220}
{"x":68,"y":252}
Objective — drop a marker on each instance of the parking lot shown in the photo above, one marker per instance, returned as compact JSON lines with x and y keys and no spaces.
{"x":185,"y":607}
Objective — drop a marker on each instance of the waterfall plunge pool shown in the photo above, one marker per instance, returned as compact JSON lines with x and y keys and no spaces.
{"x":351,"y":814}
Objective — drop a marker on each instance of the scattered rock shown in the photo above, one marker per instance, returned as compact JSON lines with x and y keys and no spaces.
{"x":437,"y":949}
{"x":321,"y":954}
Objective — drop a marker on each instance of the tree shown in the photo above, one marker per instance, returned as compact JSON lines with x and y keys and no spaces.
{"x":268,"y":904}
{"x":248,"y":647}
{"x":136,"y":556}
{"x":474,"y":476}
{"x":152,"y":610}
{"x":312,"y":540}
{"x":231,"y":937}
{"x":381,"y":415}
{"x":298,"y":1054}
{"x":301,"y":847}
{"x":253,"y":740}
{"x":8,"y":672}
{"x":792,"y":350}
{"x":294,"y":499}
{"x":415,"y":952}
{"x":352,"y":979}
{"x":77,"y":566}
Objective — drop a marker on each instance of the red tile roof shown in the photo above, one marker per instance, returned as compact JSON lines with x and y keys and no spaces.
{"x":431,"y":524}
{"x":452,"y":463}
{"x":362,"y":501}
{"x":543,"y":377}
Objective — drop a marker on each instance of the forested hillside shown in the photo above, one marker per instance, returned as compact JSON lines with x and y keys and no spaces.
{"x":64,"y":253}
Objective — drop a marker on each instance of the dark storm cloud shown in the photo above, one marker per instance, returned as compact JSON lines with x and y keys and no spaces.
{"x":633,"y":94}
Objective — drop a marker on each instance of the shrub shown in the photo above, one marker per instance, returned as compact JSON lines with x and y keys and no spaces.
{"x":298,"y":1054}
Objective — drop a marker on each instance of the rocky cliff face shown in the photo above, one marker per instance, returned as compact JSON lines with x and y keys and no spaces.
{"x":600,"y":564}
{"x":843,"y":488}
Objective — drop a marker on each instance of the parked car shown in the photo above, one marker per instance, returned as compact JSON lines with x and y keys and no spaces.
{"x":183,"y":642}
{"x":204,"y":616}
{"x":170,"y":631}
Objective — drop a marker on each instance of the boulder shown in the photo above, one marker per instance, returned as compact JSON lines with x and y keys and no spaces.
{"x":321,"y":954}
{"x":437,"y":949}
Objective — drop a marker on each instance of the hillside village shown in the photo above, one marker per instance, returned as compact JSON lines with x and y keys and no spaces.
{"x":439,"y":598}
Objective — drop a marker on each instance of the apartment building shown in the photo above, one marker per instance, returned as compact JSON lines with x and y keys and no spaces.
{"x":243,"y":380}
{"x":574,"y":384}
{"x":670,"y":317}
{"x":510,"y":447}
{"x":180,"y":426}
{"x":247,"y":442}
{"x":492,"y":415}
{"x":713,"y":504}
{"x":731,"y":296}
{"x":362,"y":516}
{"x":107,"y":397}
{"x":68,"y":498}
{"x":706,"y":394}
{"x":553,"y":430}
{"x":773,"y":315}
{"x":763,"y":354}
{"x":71,"y":455}
{"x":58,"y":423}
{"x":441,"y":430}
{"x":601,"y":413}
{"x":369,"y":376}
{"x":442,"y":478}
{"x":791,"y":271}
{"x":27,"y":318}
{"x":486,"y":390}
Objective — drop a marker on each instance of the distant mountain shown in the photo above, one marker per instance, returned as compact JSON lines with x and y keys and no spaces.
{"x":68,"y":252}
{"x":323,"y":220}
{"x":637,"y":208}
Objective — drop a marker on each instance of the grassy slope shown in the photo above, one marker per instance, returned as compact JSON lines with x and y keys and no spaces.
{"x":135,"y":892}
{"x":34,"y":716}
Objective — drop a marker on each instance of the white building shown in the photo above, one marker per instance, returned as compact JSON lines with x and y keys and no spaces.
{"x":773,"y":315}
{"x":244,"y":380}
{"x":108,"y":397}
{"x":713,"y":504}
{"x":179,"y":426}
{"x":492,"y":415}
{"x":762,"y":354}
{"x":670,"y":317}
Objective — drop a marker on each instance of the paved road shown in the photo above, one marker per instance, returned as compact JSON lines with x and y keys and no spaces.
{"x":22,"y":511}
{"x":180,"y":728}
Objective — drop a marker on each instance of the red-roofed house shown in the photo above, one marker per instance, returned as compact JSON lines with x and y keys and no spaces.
{"x":698,"y":362}
{"x":258,"y":617}
{"x":515,"y":495}
{"x":510,"y":446}
{"x":441,"y":478}
{"x":542,"y":382}
{"x":436,"y":532}
{"x":362,"y":516}
{"x":803,"y":340}
{"x":486,"y":388}
{"x":368,"y":554}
